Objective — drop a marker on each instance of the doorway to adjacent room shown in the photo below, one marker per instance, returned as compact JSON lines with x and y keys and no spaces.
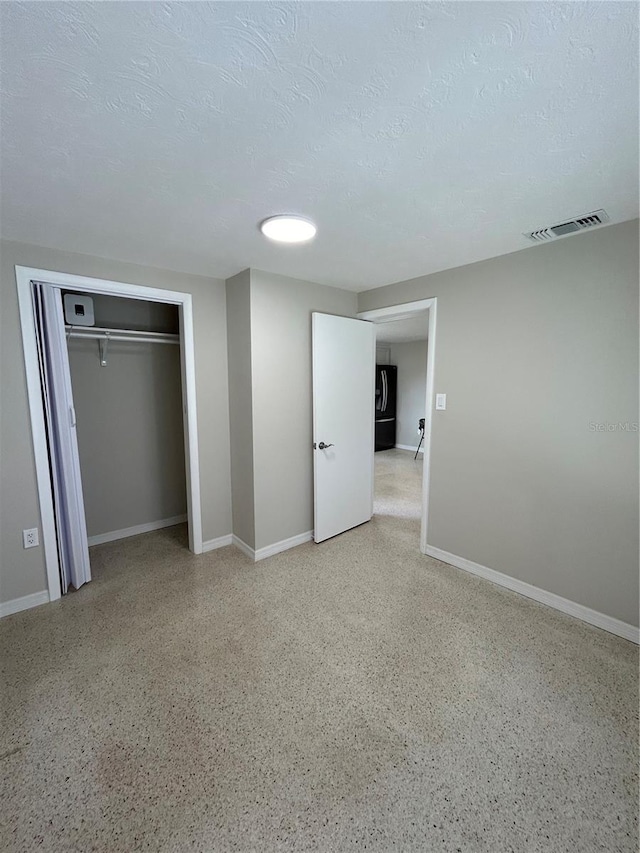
{"x":405,"y":348}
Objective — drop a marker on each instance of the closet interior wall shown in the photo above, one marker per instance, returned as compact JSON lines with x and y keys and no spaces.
{"x":130,"y":421}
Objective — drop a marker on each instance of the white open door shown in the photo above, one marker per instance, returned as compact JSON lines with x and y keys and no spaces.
{"x":343,"y":423}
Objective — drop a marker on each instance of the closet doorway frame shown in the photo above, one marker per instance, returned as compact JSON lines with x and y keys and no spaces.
{"x":84,"y":284}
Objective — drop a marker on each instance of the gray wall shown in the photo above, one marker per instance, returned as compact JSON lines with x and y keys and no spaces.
{"x":411,"y":360}
{"x":281,"y":310}
{"x":129,"y":420}
{"x":383,"y":353}
{"x":240,"y":405}
{"x":531,"y":349}
{"x":118,"y":312}
{"x":22,"y":571}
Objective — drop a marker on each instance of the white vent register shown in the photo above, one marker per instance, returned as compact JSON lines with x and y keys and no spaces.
{"x":571,"y":226}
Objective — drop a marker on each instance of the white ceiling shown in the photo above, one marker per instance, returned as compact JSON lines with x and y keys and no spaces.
{"x":417,"y":136}
{"x":414,"y":328}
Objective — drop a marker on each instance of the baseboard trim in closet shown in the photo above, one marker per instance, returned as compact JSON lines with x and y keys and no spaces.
{"x":408,"y":447}
{"x":220,"y":542}
{"x":26,"y":602}
{"x":101,"y":538}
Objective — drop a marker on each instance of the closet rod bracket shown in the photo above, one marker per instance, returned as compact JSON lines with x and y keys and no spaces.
{"x":103,"y":343}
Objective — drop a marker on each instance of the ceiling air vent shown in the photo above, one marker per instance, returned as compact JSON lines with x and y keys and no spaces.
{"x":588,"y":220}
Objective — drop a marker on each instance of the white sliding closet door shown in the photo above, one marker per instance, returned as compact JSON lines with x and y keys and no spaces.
{"x":71,"y":528}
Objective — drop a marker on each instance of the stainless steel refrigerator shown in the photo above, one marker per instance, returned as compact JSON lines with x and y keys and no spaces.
{"x":386,"y":393}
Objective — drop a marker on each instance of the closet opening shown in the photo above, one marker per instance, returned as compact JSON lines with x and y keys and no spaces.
{"x":127,"y":395}
{"x":111,"y":383}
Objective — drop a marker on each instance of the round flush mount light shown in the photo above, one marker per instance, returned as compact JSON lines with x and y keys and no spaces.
{"x":288,"y":229}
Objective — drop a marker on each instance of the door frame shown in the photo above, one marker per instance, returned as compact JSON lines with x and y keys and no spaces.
{"x":84,"y":284}
{"x":401,"y":312}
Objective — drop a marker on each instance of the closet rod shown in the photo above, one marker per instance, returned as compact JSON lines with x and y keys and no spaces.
{"x":103,"y":336}
{"x":99,"y":333}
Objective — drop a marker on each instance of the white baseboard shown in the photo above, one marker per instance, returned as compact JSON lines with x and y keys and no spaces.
{"x":220,"y":542}
{"x":408,"y":447}
{"x":283,"y":545}
{"x":101,"y":538}
{"x":24,"y":603}
{"x":572,"y":608}
{"x":242,"y":546}
{"x":276,"y":548}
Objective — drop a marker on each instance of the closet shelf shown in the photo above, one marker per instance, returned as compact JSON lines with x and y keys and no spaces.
{"x":103,"y":336}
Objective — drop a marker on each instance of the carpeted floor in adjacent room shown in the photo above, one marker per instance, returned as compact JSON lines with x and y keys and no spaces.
{"x":353,"y":695}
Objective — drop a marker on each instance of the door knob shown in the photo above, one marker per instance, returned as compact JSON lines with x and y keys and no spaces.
{"x":324,"y":446}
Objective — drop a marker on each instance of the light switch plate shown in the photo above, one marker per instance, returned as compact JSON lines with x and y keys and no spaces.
{"x":441,"y":402}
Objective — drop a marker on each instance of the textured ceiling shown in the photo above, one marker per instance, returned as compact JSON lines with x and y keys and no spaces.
{"x":414,"y":328}
{"x":417,"y":136}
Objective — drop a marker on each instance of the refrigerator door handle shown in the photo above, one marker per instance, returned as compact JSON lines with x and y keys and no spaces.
{"x":384,"y":391}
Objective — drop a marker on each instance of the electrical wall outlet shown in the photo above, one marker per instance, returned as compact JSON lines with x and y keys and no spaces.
{"x":30,"y":537}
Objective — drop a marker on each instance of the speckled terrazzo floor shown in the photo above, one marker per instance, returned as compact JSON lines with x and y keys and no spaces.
{"x":347,"y":696}
{"x":398,"y":486}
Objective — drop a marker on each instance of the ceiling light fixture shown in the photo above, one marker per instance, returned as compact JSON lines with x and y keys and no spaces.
{"x":288,"y":229}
